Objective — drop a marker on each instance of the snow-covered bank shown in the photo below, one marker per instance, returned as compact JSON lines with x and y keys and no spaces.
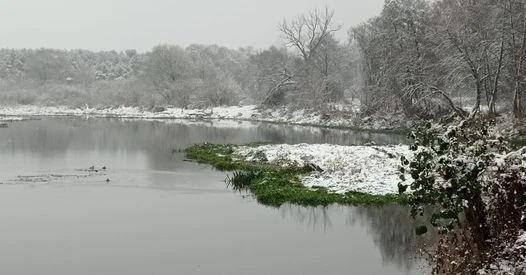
{"x":366,"y":169}
{"x":128,"y":112}
{"x":11,"y":118}
{"x":336,"y":117}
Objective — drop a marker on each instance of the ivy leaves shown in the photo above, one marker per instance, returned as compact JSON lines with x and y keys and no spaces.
{"x":445,"y":169}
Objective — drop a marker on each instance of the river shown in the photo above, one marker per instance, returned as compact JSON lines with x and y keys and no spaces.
{"x":153,"y":212}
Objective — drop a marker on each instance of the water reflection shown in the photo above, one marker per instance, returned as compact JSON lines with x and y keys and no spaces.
{"x":112,"y":134}
{"x":300,"y":134}
{"x":314,"y":217}
{"x":393,"y":231}
{"x":183,"y":208}
{"x":391,"y":228}
{"x":155,"y":141}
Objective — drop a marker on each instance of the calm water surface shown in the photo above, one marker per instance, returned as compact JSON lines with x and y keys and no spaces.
{"x":161,"y":214}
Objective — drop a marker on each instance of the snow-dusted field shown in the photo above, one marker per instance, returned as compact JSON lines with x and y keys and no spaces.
{"x":367,"y":169}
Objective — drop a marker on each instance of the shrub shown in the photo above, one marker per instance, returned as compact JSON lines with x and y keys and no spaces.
{"x":477,"y":188}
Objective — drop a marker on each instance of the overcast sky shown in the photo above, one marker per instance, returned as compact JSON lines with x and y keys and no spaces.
{"x":141,"y":24}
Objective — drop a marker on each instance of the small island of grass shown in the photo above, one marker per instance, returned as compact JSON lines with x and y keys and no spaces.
{"x":275,"y":180}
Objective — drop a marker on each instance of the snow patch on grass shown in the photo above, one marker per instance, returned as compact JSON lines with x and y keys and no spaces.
{"x":366,"y":169}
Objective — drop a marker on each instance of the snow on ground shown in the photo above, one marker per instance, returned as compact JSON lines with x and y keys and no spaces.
{"x":11,"y":118}
{"x":130,"y":112}
{"x":367,"y":169}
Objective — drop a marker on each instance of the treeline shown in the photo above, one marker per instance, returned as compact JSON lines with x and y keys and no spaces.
{"x":419,"y":58}
{"x":168,"y":75}
{"x":418,"y":54}
{"x":315,"y":69}
{"x":196,"y":76}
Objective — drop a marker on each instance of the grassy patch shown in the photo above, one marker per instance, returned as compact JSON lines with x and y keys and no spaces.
{"x":274,"y":185}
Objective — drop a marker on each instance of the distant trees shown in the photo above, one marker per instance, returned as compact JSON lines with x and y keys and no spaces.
{"x":199,"y":75}
{"x":274,"y":72}
{"x":11,"y":64}
{"x":418,"y":58}
{"x":169,"y":69}
{"x":46,"y":65}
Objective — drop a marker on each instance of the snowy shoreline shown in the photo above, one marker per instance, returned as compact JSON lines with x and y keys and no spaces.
{"x":365,"y":169}
{"x":342,"y":116}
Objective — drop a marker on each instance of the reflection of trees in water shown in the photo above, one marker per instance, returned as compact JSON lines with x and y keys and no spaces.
{"x":312,"y":216}
{"x":393,"y":231}
{"x":391,"y":227}
{"x":56,"y":137}
{"x":304,"y":134}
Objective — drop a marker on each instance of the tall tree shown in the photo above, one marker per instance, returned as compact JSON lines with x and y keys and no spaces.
{"x":311,"y":35}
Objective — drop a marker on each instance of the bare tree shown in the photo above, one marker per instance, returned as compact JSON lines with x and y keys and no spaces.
{"x":312,"y":36}
{"x":308,"y":32}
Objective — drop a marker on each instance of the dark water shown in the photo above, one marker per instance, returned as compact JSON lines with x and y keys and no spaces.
{"x":160,"y":214}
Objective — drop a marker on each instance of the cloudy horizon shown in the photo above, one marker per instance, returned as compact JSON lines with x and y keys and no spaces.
{"x":136,"y":24}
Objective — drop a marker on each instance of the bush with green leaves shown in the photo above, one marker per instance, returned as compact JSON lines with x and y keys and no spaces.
{"x":476,"y":185}
{"x":446,"y":171}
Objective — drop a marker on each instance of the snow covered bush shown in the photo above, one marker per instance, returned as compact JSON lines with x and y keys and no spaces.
{"x":478,"y":190}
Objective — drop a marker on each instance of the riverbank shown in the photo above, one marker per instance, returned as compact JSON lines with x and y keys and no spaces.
{"x":308,"y":174}
{"x":338,"y":116}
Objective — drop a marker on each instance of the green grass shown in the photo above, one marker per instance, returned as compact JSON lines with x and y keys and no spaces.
{"x":274,"y":185}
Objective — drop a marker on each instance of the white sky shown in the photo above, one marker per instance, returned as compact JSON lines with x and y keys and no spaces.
{"x":141,"y":24}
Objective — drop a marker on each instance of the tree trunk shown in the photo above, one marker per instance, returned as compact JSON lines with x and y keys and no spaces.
{"x":478,"y":99}
{"x":496,"y":82}
{"x":476,"y":218}
{"x":517,"y":108}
